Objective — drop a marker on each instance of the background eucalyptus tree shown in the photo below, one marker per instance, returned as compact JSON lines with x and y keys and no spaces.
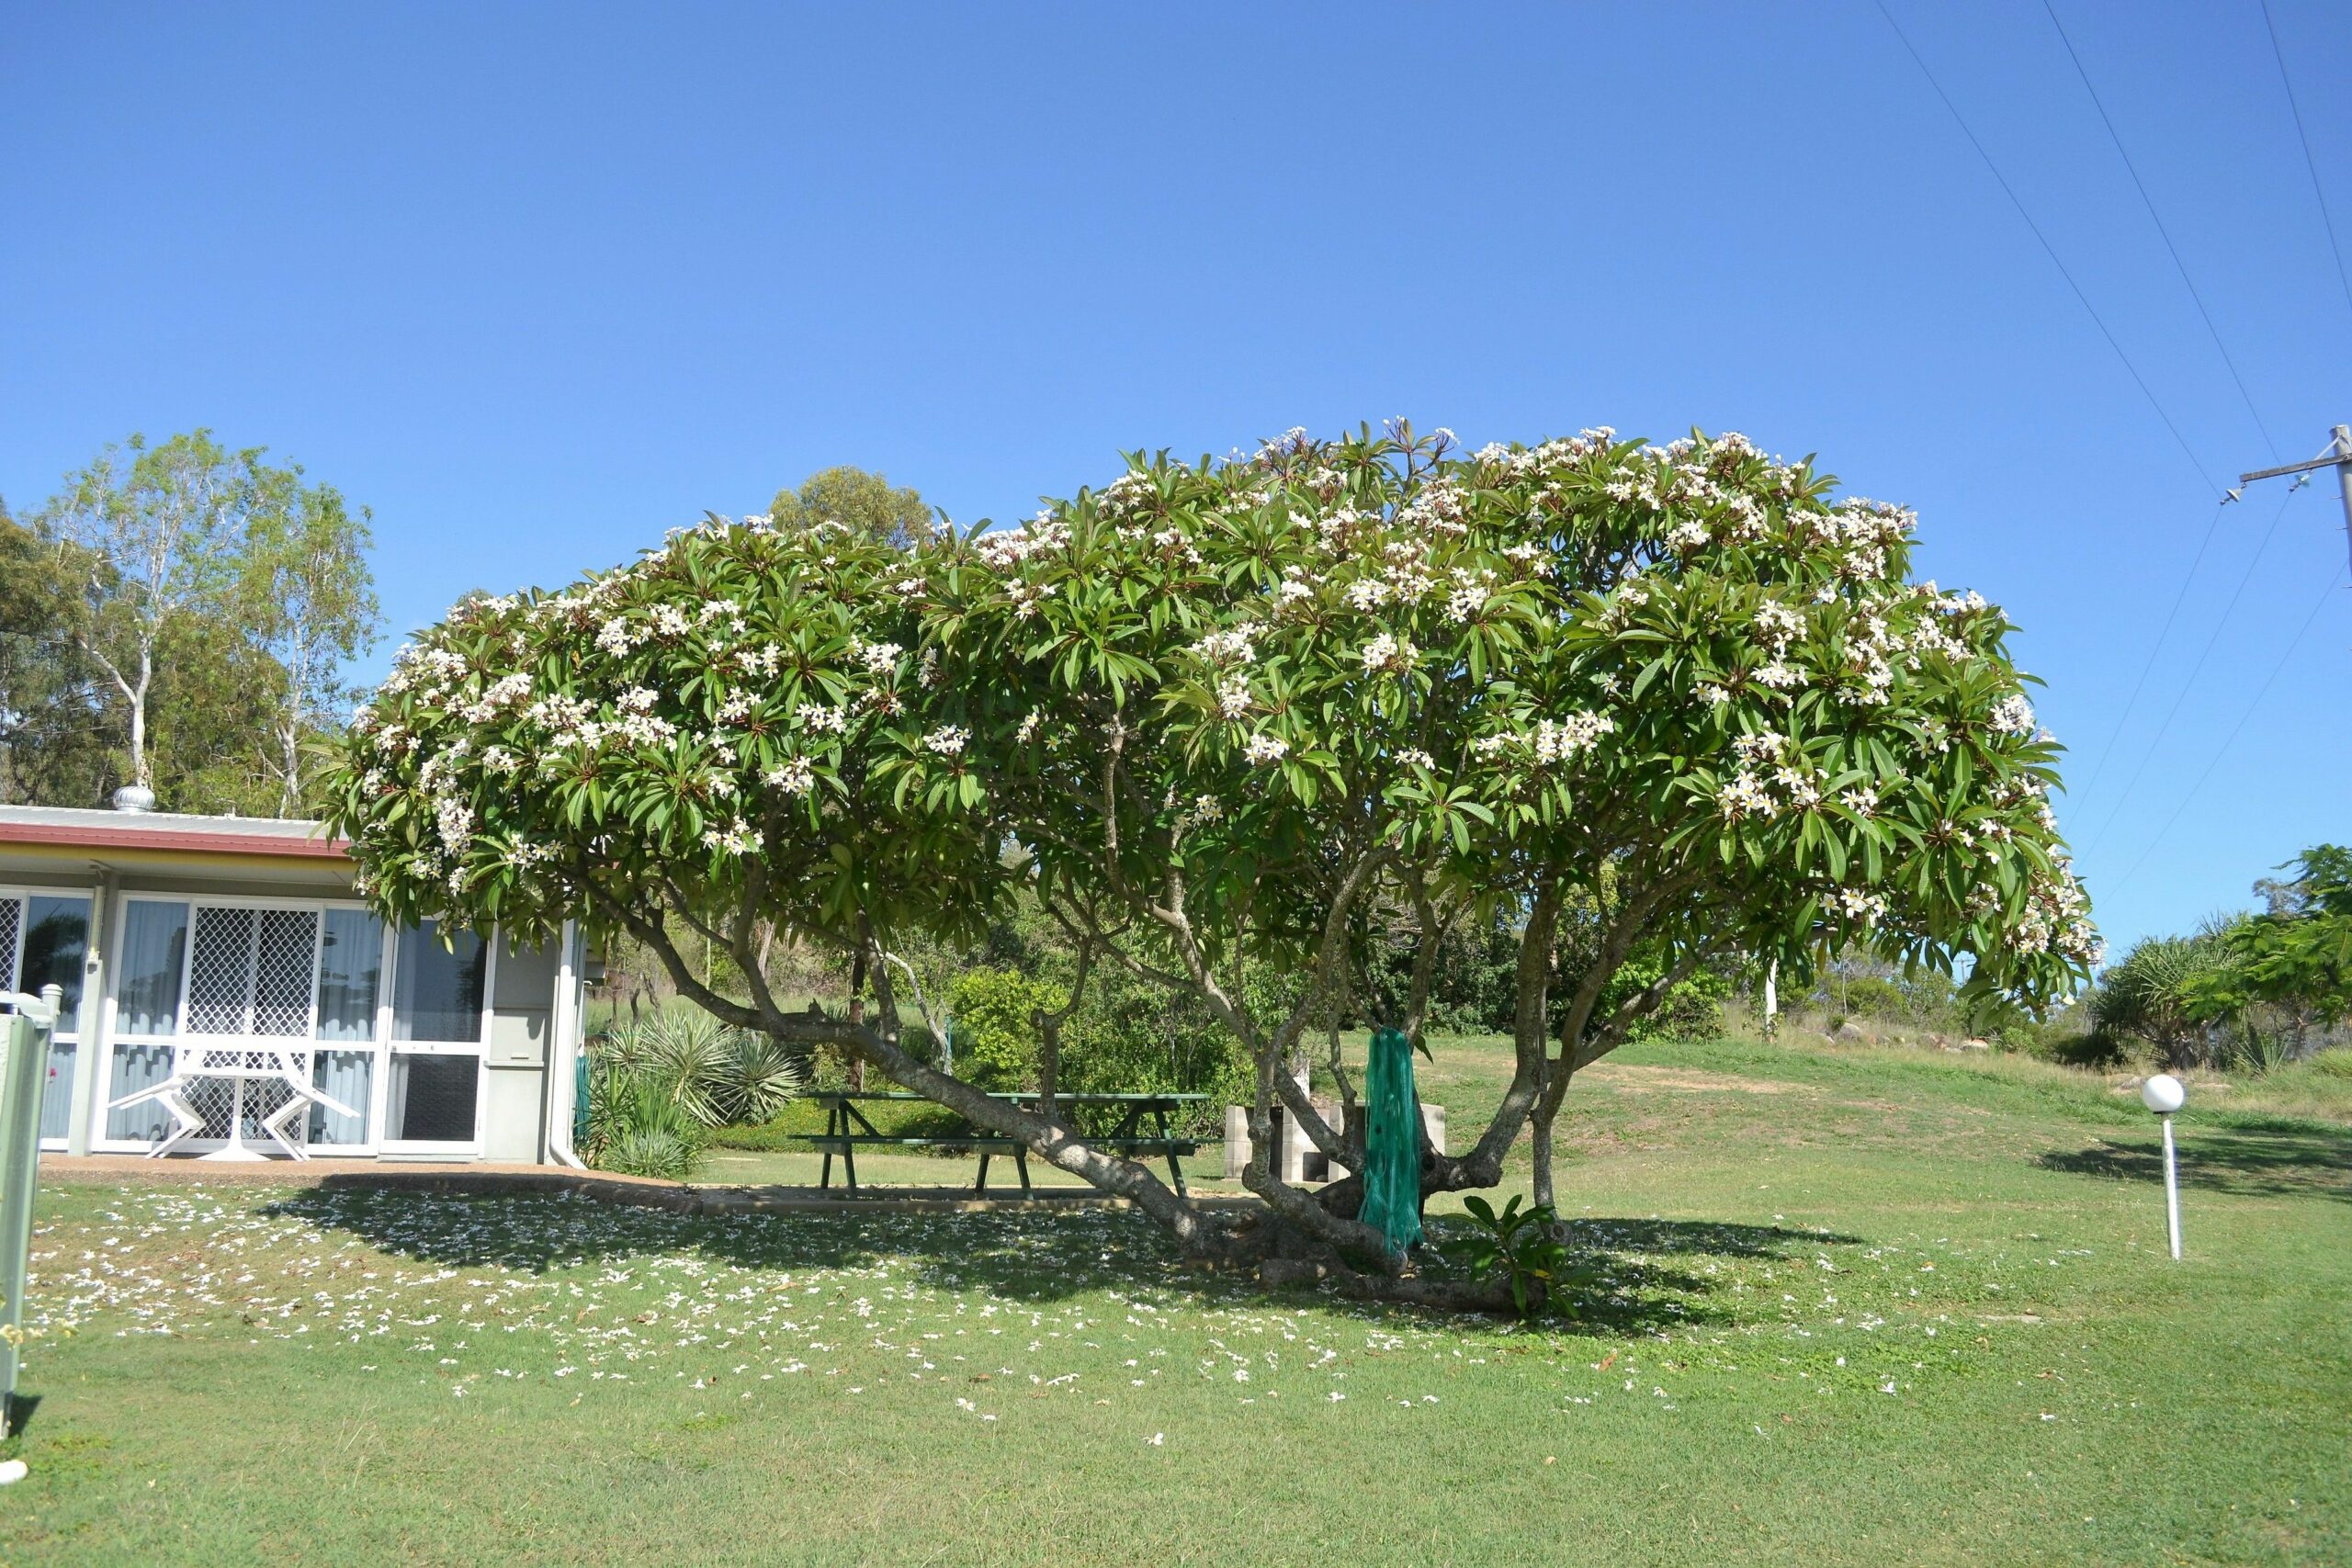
{"x":53,"y":732}
{"x":155,"y":531}
{"x":307,"y":602}
{"x":180,"y":617}
{"x":866,"y":503}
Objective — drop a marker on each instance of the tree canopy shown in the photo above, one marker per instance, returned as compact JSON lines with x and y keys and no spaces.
{"x":867,"y":505}
{"x":2297,"y":955}
{"x":1228,"y":710}
{"x":179,"y":615}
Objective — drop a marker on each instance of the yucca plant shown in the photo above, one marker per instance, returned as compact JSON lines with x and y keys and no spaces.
{"x":687,"y":1052}
{"x":2149,"y":995}
{"x":637,"y":1126}
{"x":757,"y":1075}
{"x":660,"y":1084}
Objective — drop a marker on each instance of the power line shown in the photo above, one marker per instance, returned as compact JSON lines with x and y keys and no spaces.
{"x":2149,"y":663}
{"x":2048,"y":249}
{"x":2150,"y":202}
{"x":2230,"y":740}
{"x":2196,"y":669}
{"x":2318,"y":191}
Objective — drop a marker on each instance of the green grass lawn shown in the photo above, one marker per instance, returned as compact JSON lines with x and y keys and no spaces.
{"x":1857,"y":1307}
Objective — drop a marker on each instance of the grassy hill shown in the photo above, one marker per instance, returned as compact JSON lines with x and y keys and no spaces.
{"x":1854,"y":1305}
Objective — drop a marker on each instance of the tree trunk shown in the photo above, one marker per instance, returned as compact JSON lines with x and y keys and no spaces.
{"x":1294,"y":1231}
{"x":857,"y":1017}
{"x":290,"y":793}
{"x":290,"y":734}
{"x":1539,"y":1131}
{"x":139,"y":721}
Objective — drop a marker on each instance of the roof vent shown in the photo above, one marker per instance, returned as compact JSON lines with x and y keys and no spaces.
{"x":134,"y":799}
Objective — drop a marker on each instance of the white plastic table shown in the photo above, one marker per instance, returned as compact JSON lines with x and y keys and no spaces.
{"x":238,"y":1064}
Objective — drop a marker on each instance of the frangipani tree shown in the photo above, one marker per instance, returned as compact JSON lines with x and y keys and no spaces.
{"x":1212,"y":720}
{"x":1234,"y":709}
{"x":732,"y":735}
{"x":1680,"y":691}
{"x":1743,"y":730}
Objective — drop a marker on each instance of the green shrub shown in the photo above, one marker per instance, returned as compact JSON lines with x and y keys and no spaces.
{"x":2082,"y":1049}
{"x":657,"y":1152}
{"x":1473,"y":988}
{"x":637,"y":1127}
{"x":1693,"y":1010}
{"x":1132,"y":1037}
{"x":1868,"y":996}
{"x":717,"y":1074}
{"x":657,"y":1089}
{"x":1523,"y":1250}
{"x":788,"y":1130}
{"x":1126,"y":1036}
{"x":2150,"y":996}
{"x":995,"y":1025}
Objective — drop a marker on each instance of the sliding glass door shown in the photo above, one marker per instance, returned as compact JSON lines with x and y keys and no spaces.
{"x":43,"y":939}
{"x":351,"y":971}
{"x":394,"y":1022}
{"x":440,"y":1020}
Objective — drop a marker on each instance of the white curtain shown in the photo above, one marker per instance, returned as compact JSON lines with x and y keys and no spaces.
{"x":57,"y":1098}
{"x":351,"y":962}
{"x":137,"y":1067}
{"x":147,"y":975}
{"x":347,"y":1075}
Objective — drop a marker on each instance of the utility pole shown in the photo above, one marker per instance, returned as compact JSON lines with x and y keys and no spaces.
{"x":2339,"y":457}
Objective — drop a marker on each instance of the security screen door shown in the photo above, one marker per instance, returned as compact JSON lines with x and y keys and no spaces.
{"x":250,"y":973}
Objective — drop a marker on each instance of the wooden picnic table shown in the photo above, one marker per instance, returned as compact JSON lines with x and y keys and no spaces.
{"x":846,"y":1127}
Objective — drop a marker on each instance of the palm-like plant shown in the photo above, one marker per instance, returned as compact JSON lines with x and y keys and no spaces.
{"x":757,"y":1075}
{"x":2150,"y":995}
{"x":638,"y":1129}
{"x":662,"y":1084}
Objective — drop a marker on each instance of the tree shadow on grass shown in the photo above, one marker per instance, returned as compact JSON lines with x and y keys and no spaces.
{"x":1621,"y":1286}
{"x":1029,"y":1255}
{"x":1636,"y":1278}
{"x":2281,"y":1160}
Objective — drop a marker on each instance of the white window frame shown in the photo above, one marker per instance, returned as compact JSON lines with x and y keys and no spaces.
{"x":380,"y":1048}
{"x":477,"y":1048}
{"x":69,"y":1027}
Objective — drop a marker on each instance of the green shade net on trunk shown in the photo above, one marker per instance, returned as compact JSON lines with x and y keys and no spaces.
{"x":1392,"y":1142}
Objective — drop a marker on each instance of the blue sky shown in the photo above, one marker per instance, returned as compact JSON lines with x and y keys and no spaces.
{"x":538,"y":283}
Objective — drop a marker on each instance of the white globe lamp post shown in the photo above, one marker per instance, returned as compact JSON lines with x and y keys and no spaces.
{"x":2164,"y":1094}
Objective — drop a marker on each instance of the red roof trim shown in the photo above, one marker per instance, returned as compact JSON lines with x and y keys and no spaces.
{"x":111,"y":838}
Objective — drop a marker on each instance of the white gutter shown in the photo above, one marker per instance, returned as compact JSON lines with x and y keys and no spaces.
{"x":564,"y":1051}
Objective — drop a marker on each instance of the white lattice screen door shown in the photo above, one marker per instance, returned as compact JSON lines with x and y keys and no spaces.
{"x":12,"y":927}
{"x":249,"y":976}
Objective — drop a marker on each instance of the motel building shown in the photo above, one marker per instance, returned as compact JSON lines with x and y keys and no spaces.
{"x":227,"y":995}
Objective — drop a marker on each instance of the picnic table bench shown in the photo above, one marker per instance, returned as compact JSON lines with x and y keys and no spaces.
{"x":847,"y":1129}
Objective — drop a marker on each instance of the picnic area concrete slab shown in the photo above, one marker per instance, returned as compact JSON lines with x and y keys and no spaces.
{"x":479,"y":1180}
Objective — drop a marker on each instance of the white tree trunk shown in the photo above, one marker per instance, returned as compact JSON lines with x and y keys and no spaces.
{"x":137,"y":695}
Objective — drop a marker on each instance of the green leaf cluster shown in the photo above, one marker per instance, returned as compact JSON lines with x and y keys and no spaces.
{"x":1217,"y":715}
